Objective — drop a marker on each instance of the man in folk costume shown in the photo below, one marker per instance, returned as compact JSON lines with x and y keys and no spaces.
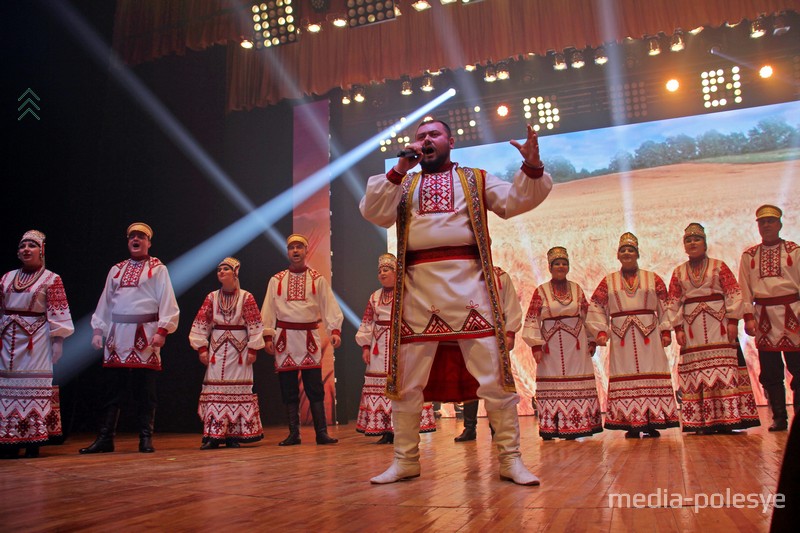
{"x":769,"y":274}
{"x":135,"y":313}
{"x":512,"y":314}
{"x":297,"y":300}
{"x":446,"y":288}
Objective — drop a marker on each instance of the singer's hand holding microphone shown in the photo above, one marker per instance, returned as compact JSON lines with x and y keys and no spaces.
{"x":408,"y":158}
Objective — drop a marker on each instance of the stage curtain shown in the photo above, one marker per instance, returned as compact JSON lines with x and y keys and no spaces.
{"x":443,"y":37}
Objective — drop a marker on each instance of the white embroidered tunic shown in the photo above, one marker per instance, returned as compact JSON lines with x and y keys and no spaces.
{"x":137,"y":302}
{"x":770,"y":281}
{"x":295,"y":303}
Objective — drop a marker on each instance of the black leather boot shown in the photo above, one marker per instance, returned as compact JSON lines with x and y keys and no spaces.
{"x":293,"y":413}
{"x":320,"y":425}
{"x":105,"y":439}
{"x":470,"y":412}
{"x":386,"y":438}
{"x":146,"y":420}
{"x":776,"y":396}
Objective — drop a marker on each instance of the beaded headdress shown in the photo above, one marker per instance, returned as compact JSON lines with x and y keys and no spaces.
{"x":37,"y":237}
{"x":388,"y":260}
{"x":694,"y":229}
{"x":231,"y":262}
{"x":628,"y":239}
{"x":556,"y":252}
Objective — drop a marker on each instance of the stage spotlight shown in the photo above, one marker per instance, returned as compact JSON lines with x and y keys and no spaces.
{"x":405,"y":86}
{"x":502,"y":71}
{"x":363,"y":12}
{"x":673,"y":85}
{"x":758,"y":28}
{"x":346,"y":97}
{"x":427,"y":83}
{"x":490,"y":74}
{"x":421,"y":5}
{"x":576,"y":60}
{"x":246,"y":44}
{"x":445,"y":2}
{"x":677,"y":43}
{"x":469,"y":68}
{"x":340,"y":21}
{"x":313,"y":27}
{"x":358,"y":93}
{"x":502,"y":110}
{"x":559,"y":63}
{"x":653,"y":48}
{"x":780,"y":25}
{"x":765,"y":71}
{"x":600,"y":57}
{"x":274,"y":24}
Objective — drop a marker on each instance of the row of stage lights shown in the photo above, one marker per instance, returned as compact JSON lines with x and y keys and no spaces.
{"x":275,"y":21}
{"x":720,"y":88}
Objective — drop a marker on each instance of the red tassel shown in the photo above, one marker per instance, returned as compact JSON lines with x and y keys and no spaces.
{"x":117,"y":274}
{"x":150,"y":271}
{"x":788,"y":260}
{"x":279,"y":287}
{"x":375,"y":350}
{"x":30,"y":343}
{"x":240,"y":358}
{"x":622,"y":341}
{"x":647,"y":340}
{"x":691,"y":336}
{"x":722,"y":329}
{"x":213,"y":358}
{"x":546,"y":348}
{"x":313,"y":287}
{"x":578,"y":344}
{"x":752,"y":262}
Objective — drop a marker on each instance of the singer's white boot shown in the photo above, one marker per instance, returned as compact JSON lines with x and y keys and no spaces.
{"x":406,"y":450}
{"x":506,"y":437}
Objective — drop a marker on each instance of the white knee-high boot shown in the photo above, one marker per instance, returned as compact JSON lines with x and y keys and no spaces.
{"x":406,"y":449}
{"x":506,"y":437}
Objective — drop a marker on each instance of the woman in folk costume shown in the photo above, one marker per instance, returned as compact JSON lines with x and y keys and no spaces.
{"x":375,"y":411}
{"x":566,"y":391}
{"x":227,"y":332}
{"x":35,"y":321}
{"x":629,"y":310}
{"x":705,"y":305}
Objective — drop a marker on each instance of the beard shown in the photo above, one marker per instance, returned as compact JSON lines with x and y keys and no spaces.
{"x":435,"y":164}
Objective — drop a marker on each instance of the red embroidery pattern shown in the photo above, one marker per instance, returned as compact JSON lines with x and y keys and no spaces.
{"x":131,"y":274}
{"x":770,"y":263}
{"x":728,"y":281}
{"x":57,"y":297}
{"x":475,"y":322}
{"x":297,"y":287}
{"x":535,"y":307}
{"x":436,"y":193}
{"x":369,"y":314}
{"x":437,"y":325}
{"x":252,"y":315}
{"x":600,"y":296}
{"x":311,"y":344}
{"x":204,"y":316}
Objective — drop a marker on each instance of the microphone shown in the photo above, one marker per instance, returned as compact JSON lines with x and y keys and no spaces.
{"x":408,"y":154}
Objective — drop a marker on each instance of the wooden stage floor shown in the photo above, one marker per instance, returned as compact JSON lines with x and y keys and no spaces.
{"x":264,"y":487}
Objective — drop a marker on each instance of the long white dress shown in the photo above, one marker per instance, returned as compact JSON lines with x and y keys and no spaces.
{"x":566,"y":391}
{"x":640,"y":393}
{"x":375,"y":409}
{"x":228,"y":407}
{"x":32,"y":315}
{"x":716,"y":391}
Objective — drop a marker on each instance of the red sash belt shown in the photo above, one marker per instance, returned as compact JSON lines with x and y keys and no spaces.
{"x":778,"y":300}
{"x":709,"y":298}
{"x":561,"y":317}
{"x":22,"y":313}
{"x":297,"y":325}
{"x":229,"y":328}
{"x":441,"y":253}
{"x":134,"y":319}
{"x":633,"y":313}
{"x":383,"y":322}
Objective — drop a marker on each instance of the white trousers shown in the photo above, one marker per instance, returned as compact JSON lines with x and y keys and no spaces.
{"x":482,"y":358}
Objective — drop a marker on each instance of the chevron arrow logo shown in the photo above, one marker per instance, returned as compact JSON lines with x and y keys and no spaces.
{"x":28,"y":104}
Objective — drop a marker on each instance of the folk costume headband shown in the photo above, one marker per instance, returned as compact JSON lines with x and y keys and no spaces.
{"x":556,"y":252}
{"x":628,"y":239}
{"x":140,"y":226}
{"x":388,"y":260}
{"x":296,"y":237}
{"x":37,"y":237}
{"x":694,"y":230}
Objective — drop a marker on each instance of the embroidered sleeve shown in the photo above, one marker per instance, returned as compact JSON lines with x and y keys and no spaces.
{"x":675,"y":300}
{"x":58,"y":314}
{"x":201,"y":326}
{"x":662,"y":306}
{"x":168,"y":310}
{"x":531,"y":331}
{"x":733,"y":292}
{"x":597,"y":315}
{"x":252,"y":319}
{"x":512,"y":311}
{"x":364,"y":333}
